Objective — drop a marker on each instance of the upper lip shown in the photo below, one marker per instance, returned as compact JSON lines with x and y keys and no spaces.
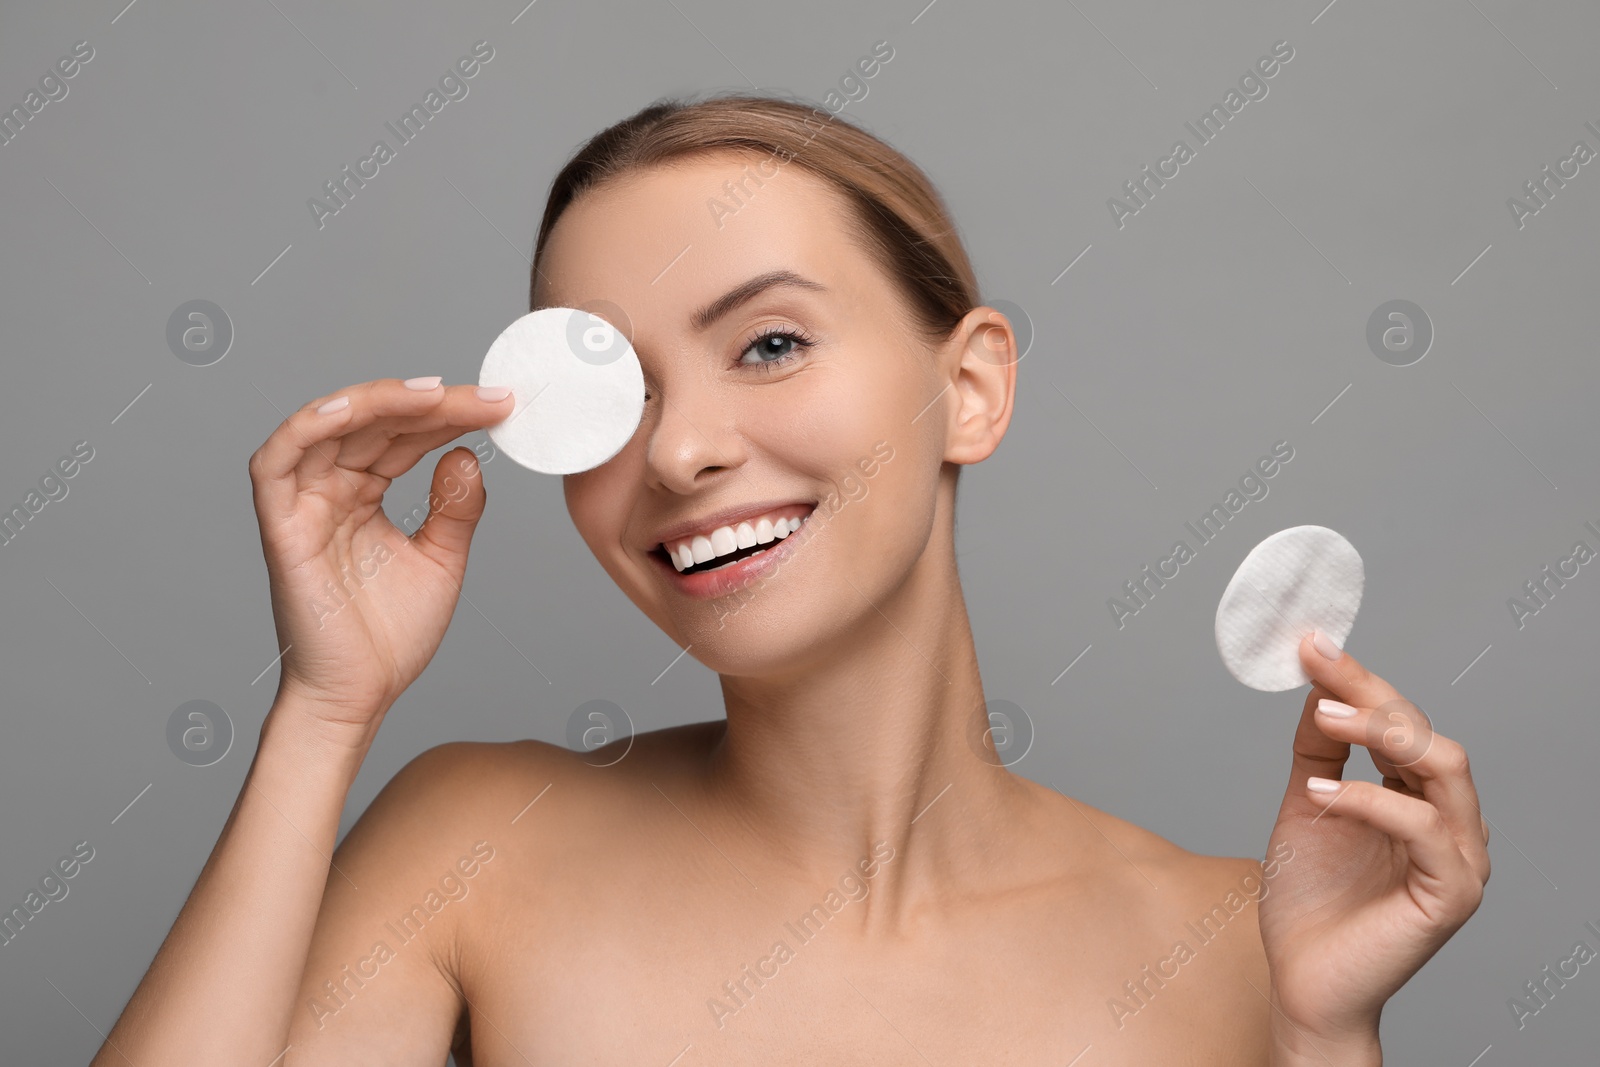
{"x":730,"y":516}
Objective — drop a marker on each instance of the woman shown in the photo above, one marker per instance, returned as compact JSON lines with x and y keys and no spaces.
{"x":835,"y":871}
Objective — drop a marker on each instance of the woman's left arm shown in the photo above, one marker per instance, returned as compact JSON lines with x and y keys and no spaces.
{"x":1381,"y":875}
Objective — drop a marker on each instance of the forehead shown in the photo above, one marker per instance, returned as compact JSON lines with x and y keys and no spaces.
{"x":679,"y":234}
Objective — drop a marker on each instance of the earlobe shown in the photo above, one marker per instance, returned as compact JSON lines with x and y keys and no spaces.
{"x":985,"y":380}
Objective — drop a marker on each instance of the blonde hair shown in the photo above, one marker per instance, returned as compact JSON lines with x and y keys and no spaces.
{"x":901,"y":218}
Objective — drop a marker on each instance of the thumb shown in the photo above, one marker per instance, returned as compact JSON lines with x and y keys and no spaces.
{"x":455,"y":504}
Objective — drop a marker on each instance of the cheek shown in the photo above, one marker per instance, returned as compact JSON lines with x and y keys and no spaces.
{"x":893,"y":484}
{"x":825,"y":421}
{"x":799,"y":429}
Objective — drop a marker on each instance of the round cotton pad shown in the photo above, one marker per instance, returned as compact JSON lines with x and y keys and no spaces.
{"x":577,"y":385}
{"x":1301,"y":579}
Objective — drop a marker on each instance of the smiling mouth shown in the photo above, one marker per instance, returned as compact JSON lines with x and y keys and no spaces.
{"x":717,"y":562}
{"x":768,"y":535}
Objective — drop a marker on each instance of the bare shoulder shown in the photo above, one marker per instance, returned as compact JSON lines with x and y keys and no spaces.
{"x":492,"y":820}
{"x":417,"y":891}
{"x":501,"y":789}
{"x":1166,"y":884}
{"x":1185,"y":876}
{"x":1166,"y":912}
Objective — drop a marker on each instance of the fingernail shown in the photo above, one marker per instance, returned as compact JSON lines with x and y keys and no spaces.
{"x":1322,"y":785}
{"x":493,"y":392}
{"x":1325,"y":645}
{"x":334,"y":405}
{"x":1335,"y":709}
{"x":423,"y":383}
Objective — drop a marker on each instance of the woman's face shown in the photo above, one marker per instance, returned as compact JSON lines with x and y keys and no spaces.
{"x":834,"y":418}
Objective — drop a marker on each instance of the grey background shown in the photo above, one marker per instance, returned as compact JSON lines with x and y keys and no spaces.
{"x":1228,"y":314}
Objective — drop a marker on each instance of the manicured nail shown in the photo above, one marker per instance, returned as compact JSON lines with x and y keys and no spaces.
{"x":493,"y":392}
{"x":1335,"y":709}
{"x":1325,"y":645}
{"x":424,"y":383}
{"x":334,"y":405}
{"x":1322,"y":785}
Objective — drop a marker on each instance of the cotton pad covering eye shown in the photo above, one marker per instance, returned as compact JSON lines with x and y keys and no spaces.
{"x":577,"y":386}
{"x":1301,"y":579}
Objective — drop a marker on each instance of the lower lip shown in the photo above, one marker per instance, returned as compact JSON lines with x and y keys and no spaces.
{"x":723,"y":581}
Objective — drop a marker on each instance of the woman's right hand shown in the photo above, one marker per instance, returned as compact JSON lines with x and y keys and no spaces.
{"x":360,"y":607}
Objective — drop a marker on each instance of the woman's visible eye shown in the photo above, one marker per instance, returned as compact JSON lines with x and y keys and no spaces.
{"x":775,"y":346}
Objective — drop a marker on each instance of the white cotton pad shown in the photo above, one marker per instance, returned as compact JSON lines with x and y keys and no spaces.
{"x":577,"y":386}
{"x":1301,"y":579}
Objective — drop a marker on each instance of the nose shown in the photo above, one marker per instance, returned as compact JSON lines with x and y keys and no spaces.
{"x":693,"y":440}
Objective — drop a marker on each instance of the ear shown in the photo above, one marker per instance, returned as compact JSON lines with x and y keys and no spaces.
{"x":981,"y":358}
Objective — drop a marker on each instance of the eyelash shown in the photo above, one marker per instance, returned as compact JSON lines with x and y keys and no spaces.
{"x":801,"y":339}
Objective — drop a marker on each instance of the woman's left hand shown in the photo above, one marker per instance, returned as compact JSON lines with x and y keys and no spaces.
{"x":1379,"y":876}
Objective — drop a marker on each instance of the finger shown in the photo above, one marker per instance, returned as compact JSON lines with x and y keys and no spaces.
{"x":1447,"y":782}
{"x":447,"y":532}
{"x":451,"y":487}
{"x":459,"y":410}
{"x":1397,"y":735}
{"x":1316,"y":752}
{"x":301,"y":449}
{"x":406,"y":449}
{"x":1429,"y":843}
{"x":301,"y":443}
{"x":1438,"y":768}
{"x":1411,"y":755}
{"x":1342,"y":675}
{"x":303,"y":433}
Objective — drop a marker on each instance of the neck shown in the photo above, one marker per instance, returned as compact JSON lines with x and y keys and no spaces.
{"x":877,"y":738}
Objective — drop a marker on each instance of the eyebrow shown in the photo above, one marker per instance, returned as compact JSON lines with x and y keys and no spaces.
{"x":750,"y":290}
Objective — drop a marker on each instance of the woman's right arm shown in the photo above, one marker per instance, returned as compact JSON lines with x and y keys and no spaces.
{"x":222,"y":986}
{"x":226,"y":983}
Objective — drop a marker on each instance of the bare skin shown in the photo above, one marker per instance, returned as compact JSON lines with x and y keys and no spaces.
{"x":650,"y":911}
{"x":1010,"y":958}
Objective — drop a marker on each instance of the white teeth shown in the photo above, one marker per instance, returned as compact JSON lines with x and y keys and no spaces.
{"x":727,"y":539}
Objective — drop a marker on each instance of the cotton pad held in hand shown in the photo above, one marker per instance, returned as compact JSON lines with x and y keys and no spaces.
{"x":577,"y":387}
{"x":1301,"y":579}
